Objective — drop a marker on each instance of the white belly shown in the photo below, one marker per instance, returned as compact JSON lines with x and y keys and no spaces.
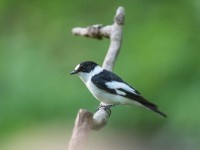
{"x":106,"y":97}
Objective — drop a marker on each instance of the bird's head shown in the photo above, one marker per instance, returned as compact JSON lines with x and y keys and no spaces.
{"x":86,"y":70}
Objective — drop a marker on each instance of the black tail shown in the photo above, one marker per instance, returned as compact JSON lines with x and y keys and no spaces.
{"x":152,"y":107}
{"x":155,"y":109}
{"x":140,"y":99}
{"x":149,"y":105}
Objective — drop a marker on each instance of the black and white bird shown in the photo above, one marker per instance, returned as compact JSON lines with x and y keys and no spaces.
{"x":109,"y":88}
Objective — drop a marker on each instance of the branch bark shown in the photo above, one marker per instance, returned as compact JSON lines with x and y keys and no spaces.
{"x":81,"y":130}
{"x":115,"y":40}
{"x":86,"y":120}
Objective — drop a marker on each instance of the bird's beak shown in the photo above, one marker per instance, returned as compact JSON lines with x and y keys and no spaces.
{"x":74,"y":72}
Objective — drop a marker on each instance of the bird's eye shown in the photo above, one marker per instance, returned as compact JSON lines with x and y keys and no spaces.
{"x":81,"y":68}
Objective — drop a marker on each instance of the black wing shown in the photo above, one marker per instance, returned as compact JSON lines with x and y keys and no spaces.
{"x":106,"y":76}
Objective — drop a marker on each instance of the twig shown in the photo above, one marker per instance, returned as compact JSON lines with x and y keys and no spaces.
{"x":86,"y":120}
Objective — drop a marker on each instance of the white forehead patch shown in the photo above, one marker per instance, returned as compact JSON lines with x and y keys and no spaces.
{"x":76,"y":68}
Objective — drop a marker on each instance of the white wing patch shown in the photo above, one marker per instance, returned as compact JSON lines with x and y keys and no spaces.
{"x":76,"y":68}
{"x":119,"y":85}
{"x":120,"y":92}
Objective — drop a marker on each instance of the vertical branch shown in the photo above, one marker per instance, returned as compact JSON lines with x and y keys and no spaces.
{"x":86,"y":120}
{"x":115,"y":40}
{"x":81,"y":130}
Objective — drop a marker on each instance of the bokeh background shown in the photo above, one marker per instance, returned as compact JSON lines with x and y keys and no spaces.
{"x":160,"y":56}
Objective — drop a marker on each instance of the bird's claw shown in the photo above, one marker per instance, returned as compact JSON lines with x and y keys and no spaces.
{"x":107,"y":108}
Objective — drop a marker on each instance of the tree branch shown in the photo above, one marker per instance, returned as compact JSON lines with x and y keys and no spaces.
{"x":115,"y":40}
{"x":81,"y":130}
{"x":86,"y":120}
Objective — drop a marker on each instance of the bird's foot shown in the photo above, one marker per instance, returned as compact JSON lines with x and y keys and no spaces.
{"x":106,"y":108}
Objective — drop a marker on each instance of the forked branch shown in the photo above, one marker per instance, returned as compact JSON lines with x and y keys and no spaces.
{"x":86,"y":120}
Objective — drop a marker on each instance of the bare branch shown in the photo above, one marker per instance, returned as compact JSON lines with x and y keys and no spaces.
{"x":95,"y":31}
{"x":115,"y":40}
{"x":85,"y":120}
{"x":81,"y":130}
{"x":100,"y":118}
{"x":115,"y":33}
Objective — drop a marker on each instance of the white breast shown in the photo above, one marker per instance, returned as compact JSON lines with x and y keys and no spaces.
{"x":99,"y":94}
{"x":106,"y":97}
{"x":85,"y":77}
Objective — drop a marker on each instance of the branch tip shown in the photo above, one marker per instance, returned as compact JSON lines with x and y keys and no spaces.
{"x":100,"y":118}
{"x":119,"y":17}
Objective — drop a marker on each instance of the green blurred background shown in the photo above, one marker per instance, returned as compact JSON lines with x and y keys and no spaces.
{"x":160,"y":56}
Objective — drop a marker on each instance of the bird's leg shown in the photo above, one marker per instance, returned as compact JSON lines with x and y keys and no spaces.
{"x":106,"y":107}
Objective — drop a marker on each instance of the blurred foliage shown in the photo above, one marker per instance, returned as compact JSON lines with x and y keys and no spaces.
{"x":159,"y":56}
